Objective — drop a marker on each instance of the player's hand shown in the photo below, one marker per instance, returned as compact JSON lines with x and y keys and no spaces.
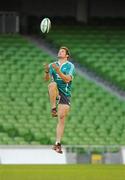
{"x":46,"y":67}
{"x":55,"y":67}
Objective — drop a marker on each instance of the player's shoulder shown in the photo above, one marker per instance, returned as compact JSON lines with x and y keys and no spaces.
{"x":70,"y":64}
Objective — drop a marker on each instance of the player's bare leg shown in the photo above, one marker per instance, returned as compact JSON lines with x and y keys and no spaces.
{"x":53,"y":94}
{"x":63,"y":110}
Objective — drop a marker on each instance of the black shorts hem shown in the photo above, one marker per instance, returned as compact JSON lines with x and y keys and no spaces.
{"x":64,"y":99}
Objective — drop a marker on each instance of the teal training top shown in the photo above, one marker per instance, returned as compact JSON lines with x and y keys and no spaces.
{"x":66,"y":68}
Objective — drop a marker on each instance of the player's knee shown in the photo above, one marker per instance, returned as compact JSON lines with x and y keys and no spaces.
{"x":52,"y":86}
{"x":62,"y":117}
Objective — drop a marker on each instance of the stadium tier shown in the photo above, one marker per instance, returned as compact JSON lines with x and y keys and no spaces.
{"x":96,"y":116}
{"x":99,"y":49}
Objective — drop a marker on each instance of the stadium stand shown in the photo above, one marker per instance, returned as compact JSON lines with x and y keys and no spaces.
{"x":97,"y":117}
{"x":100,"y":49}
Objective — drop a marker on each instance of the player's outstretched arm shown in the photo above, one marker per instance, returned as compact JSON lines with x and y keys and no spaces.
{"x":46,"y":71}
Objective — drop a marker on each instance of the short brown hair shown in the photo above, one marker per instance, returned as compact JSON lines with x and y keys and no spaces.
{"x":66,"y":49}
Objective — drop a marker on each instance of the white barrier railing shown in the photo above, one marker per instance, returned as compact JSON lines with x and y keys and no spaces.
{"x":30,"y":155}
{"x":41,"y":154}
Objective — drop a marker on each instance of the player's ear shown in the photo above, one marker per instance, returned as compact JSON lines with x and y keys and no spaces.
{"x":67,"y":56}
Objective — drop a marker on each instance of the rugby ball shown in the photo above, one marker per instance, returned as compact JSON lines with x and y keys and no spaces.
{"x":45,"y":25}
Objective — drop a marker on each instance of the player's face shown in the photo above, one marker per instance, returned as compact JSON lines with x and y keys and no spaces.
{"x":62,"y":53}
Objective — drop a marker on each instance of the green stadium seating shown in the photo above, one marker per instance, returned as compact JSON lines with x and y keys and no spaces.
{"x":100,"y":49}
{"x":96,"y":117}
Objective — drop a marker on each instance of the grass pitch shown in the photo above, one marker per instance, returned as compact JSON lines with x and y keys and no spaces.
{"x":62,"y":172}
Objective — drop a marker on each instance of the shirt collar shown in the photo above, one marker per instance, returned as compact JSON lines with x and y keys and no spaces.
{"x":62,"y":63}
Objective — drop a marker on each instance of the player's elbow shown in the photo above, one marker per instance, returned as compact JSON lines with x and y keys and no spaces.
{"x":46,"y":78}
{"x":68,"y":79}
